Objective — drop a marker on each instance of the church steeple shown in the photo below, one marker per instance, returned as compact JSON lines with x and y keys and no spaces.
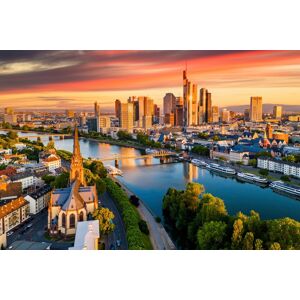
{"x":76,"y":168}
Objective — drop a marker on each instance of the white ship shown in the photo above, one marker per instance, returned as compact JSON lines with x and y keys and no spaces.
{"x":113,"y":170}
{"x":218,"y":168}
{"x":151,"y":151}
{"x":252,"y":177}
{"x":281,"y":186}
{"x":198,"y":162}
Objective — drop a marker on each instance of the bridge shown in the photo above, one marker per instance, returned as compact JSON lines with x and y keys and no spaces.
{"x":117,"y":157}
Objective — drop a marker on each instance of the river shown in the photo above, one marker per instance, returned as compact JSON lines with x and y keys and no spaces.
{"x":150,"y":180}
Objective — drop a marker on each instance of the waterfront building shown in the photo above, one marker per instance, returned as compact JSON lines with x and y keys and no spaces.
{"x":294,"y":118}
{"x":215,"y":114}
{"x":96,"y":109}
{"x":256,"y":109}
{"x":10,"y":118}
{"x":87,"y":236}
{"x":52,"y":161}
{"x":126,"y":116}
{"x":92,"y":124}
{"x":276,"y":165}
{"x":169,"y":102}
{"x":147,"y":122}
{"x":104,"y":124}
{"x":277,"y":112}
{"x":118,"y":108}
{"x":73,"y":204}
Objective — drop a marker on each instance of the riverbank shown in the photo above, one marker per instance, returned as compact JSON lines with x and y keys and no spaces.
{"x":158,"y":235}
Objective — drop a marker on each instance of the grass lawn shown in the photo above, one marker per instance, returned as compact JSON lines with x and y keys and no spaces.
{"x":147,"y":242}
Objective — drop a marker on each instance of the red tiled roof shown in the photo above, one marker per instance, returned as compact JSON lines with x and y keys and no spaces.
{"x":12,"y":206}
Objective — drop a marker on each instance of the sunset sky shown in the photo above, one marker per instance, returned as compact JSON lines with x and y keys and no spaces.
{"x":75,"y":79}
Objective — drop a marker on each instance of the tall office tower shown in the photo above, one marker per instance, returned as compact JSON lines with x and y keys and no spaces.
{"x":70,"y":113}
{"x":169,"y":103}
{"x":178,"y":115}
{"x":225,"y":116}
{"x":9,"y":110}
{"x":82,"y":120}
{"x":147,"y":122}
{"x":127,"y":116}
{"x":215,"y":114}
{"x":247,"y":114}
{"x":277,"y":112}
{"x":148,"y":107}
{"x":208,"y":113}
{"x":141,"y":101}
{"x":156,"y":113}
{"x":118,"y":108}
{"x":256,"y":109}
{"x":169,"y":119}
{"x":135,"y":110}
{"x":190,"y":109}
{"x":96,"y":109}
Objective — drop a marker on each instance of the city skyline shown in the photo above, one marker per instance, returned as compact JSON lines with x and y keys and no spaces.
{"x":75,"y":79}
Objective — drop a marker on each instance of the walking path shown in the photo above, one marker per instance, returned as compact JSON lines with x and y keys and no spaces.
{"x":158,"y":235}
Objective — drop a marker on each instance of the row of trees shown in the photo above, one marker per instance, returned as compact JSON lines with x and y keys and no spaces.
{"x":201,"y":221}
{"x":134,"y":227}
{"x":200,"y":150}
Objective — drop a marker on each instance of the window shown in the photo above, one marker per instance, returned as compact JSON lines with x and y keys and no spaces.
{"x":72,"y":221}
{"x":81,"y":216}
{"x":63,"y":220}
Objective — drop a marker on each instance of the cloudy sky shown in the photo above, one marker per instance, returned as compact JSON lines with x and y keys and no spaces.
{"x":75,"y":79}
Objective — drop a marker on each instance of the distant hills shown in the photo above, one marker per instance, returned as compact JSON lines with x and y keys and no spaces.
{"x":267,"y":108}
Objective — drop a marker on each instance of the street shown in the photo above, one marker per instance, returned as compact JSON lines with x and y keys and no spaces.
{"x":119,"y":233}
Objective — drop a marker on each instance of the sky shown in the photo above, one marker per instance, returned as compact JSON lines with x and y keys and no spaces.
{"x":53,"y":80}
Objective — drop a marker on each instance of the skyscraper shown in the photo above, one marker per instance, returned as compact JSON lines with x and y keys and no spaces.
{"x":190,"y":110}
{"x":118,"y":108}
{"x":141,"y":101}
{"x":277,"y":112}
{"x":156,"y":113}
{"x":225,"y":116}
{"x":215,"y":114}
{"x":179,"y":112}
{"x":127,"y":116}
{"x":256,"y":109}
{"x":169,"y":103}
{"x":96,"y":109}
{"x":205,"y":107}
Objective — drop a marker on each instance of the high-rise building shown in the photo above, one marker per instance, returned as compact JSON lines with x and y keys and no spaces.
{"x":205,"y":107}
{"x":127,"y":116}
{"x":141,"y":101}
{"x":215,"y":114}
{"x":10,"y":116}
{"x":225,"y":116}
{"x":169,"y":103}
{"x":156,"y":114}
{"x":256,"y":109}
{"x":118,"y":108}
{"x":179,"y":112}
{"x":169,"y":119}
{"x":147,"y":122}
{"x":190,"y":109}
{"x":247,"y":114}
{"x":277,"y":112}
{"x":96,"y":109}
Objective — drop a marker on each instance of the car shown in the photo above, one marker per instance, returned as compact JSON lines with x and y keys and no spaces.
{"x":29,"y":225}
{"x":118,"y":243}
{"x":9,"y":233}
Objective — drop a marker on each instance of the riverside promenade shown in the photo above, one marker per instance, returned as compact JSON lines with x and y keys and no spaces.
{"x":158,"y":235}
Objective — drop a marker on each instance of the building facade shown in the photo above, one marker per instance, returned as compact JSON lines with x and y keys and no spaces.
{"x":255,"y":109}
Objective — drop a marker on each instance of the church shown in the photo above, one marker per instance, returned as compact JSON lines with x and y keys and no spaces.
{"x":73,"y":204}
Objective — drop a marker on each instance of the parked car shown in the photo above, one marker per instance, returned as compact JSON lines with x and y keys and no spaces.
{"x":9,"y":233}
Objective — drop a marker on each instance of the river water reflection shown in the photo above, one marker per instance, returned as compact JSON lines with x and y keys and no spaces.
{"x":150,"y":180}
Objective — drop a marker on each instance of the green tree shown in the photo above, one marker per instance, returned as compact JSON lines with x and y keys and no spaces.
{"x":124,"y":135}
{"x":50,"y":145}
{"x":258,"y":245}
{"x":275,"y":246}
{"x":105,"y":218}
{"x":61,"y":181}
{"x":290,"y":158}
{"x":248,"y":241}
{"x":264,"y":172}
{"x":237,"y":234}
{"x":253,"y":162}
{"x":201,"y":150}
{"x":212,"y":208}
{"x":212,"y":235}
{"x":12,"y":135}
{"x":285,"y":178}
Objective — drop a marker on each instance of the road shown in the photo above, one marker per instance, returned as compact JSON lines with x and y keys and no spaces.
{"x":119,"y":233}
{"x":158,"y":235}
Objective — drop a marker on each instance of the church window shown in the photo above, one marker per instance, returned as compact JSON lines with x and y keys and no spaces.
{"x":63,"y":220}
{"x":72,"y":221}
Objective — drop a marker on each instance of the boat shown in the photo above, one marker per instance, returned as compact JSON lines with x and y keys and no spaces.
{"x":151,"y":151}
{"x":113,"y":170}
{"x":252,"y":177}
{"x":287,"y":188}
{"x":198,"y":162}
{"x":218,"y":168}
